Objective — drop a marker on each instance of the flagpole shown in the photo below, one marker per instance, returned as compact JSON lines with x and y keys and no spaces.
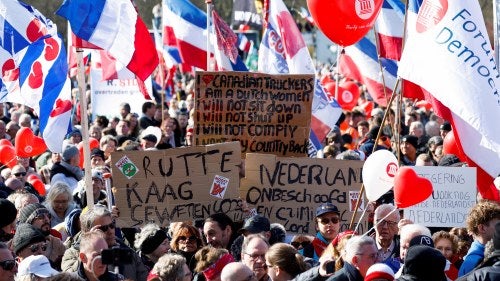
{"x":85,"y":129}
{"x":377,"y":46}
{"x":210,"y":66}
{"x":379,"y":133}
{"x":337,"y":72}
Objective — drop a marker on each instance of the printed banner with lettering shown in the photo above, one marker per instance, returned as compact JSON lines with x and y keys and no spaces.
{"x":107,"y":95}
{"x":453,"y":196}
{"x":288,"y":190}
{"x":266,"y":113}
{"x":177,"y":184}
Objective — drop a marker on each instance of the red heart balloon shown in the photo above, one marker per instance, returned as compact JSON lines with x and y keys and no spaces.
{"x":450,"y":146}
{"x":39,"y":186}
{"x":344,"y":22}
{"x":348,"y":94}
{"x":8,"y":155}
{"x":5,"y":142}
{"x":409,"y":188}
{"x":27,"y":144}
{"x":93,"y":143}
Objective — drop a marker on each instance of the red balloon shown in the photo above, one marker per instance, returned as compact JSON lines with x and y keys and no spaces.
{"x":39,"y":186}
{"x":8,"y":155}
{"x":368,"y":107}
{"x":450,"y":146}
{"x":409,"y":188}
{"x":344,"y":22}
{"x":5,"y":142}
{"x":93,"y":143}
{"x":348,"y":96}
{"x":330,"y":89}
{"x":27,"y":144}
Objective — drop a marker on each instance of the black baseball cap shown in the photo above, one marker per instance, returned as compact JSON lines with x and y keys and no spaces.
{"x":256,"y":224}
{"x":326,"y":208}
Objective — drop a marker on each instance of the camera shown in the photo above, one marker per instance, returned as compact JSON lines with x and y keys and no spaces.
{"x":330,"y":267}
{"x":117,"y":256}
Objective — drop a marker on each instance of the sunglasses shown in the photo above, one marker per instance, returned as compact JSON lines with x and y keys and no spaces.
{"x":105,"y":228}
{"x":35,"y":247}
{"x":304,"y":244}
{"x":22,"y":174}
{"x":191,"y":238}
{"x":7,"y":264}
{"x":334,"y":220}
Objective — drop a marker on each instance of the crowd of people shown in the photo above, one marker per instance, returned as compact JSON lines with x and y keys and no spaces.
{"x":52,"y":234}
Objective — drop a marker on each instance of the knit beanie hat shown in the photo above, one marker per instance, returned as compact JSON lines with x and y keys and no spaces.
{"x":379,"y":271}
{"x":69,"y":152}
{"x":30,"y":211}
{"x":153,"y":241}
{"x":26,"y":235}
{"x":8,"y":211}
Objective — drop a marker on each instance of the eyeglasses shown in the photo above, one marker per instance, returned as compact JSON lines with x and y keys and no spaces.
{"x":304,"y":244}
{"x":191,"y":238}
{"x":104,"y":228}
{"x":373,"y":256}
{"x":35,"y":247}
{"x":334,"y":220}
{"x":386,"y":222}
{"x":255,"y":257}
{"x":8,"y":265}
{"x":22,"y":174}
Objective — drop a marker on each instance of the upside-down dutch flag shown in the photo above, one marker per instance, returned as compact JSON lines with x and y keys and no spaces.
{"x":189,"y":26}
{"x":283,"y":50}
{"x":457,"y":72}
{"x":35,"y":70}
{"x":360,"y":63}
{"x":390,"y":29}
{"x":114,"y":26}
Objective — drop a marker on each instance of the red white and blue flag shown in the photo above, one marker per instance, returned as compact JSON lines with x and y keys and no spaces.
{"x":34,"y":69}
{"x":283,"y":50}
{"x":448,"y":54}
{"x":390,"y":29}
{"x":114,"y":26}
{"x":243,"y":43}
{"x":189,"y":26}
{"x":360,"y":62}
{"x":304,"y":13}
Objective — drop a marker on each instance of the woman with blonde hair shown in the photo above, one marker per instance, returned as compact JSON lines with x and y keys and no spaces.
{"x":284,"y":262}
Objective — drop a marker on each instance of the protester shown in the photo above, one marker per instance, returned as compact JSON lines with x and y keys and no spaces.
{"x":152,"y":243}
{"x":386,"y":219}
{"x":28,"y":241}
{"x":284,"y":262}
{"x":423,"y":263}
{"x":237,"y":271}
{"x":68,"y":170}
{"x":481,"y":223}
{"x":34,"y":268}
{"x":210,"y":262}
{"x":8,"y":265}
{"x":7,"y":220}
{"x":186,"y":241}
{"x":379,"y":272}
{"x":253,"y":253}
{"x":170,"y":267}
{"x":59,"y":202}
{"x":447,"y":244}
{"x":218,"y":230}
{"x":327,"y":226}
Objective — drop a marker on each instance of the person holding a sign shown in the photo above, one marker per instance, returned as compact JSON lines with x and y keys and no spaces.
{"x":327,"y":225}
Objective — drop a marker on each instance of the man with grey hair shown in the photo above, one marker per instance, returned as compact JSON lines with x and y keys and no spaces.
{"x":360,"y":253}
{"x":409,"y":232}
{"x":68,"y":170}
{"x":237,"y":271}
{"x":100,"y":218}
{"x":253,"y":253}
{"x":386,"y":229}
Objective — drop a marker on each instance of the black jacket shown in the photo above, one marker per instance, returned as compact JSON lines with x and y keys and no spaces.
{"x":488,"y":270}
{"x":347,"y":273}
{"x":107,"y":276}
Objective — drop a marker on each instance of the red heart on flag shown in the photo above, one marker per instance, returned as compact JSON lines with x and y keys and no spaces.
{"x":409,"y":188}
{"x":51,"y":49}
{"x":9,"y":70}
{"x":62,"y":106}
{"x":27,"y":144}
{"x":35,"y":30}
{"x":207,"y":78}
{"x":35,"y":79}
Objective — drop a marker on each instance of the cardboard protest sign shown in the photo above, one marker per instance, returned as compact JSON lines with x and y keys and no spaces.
{"x":288,"y":190}
{"x":266,"y":113}
{"x":177,"y":184}
{"x":454,"y":194}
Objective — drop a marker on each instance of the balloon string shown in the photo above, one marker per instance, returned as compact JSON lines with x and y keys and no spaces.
{"x":359,"y":222}
{"x":377,"y":223}
{"x":7,"y":164}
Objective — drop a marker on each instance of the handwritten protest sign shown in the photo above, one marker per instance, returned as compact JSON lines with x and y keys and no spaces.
{"x":266,"y":113}
{"x":176,"y":184}
{"x":453,"y":196}
{"x":288,"y":190}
